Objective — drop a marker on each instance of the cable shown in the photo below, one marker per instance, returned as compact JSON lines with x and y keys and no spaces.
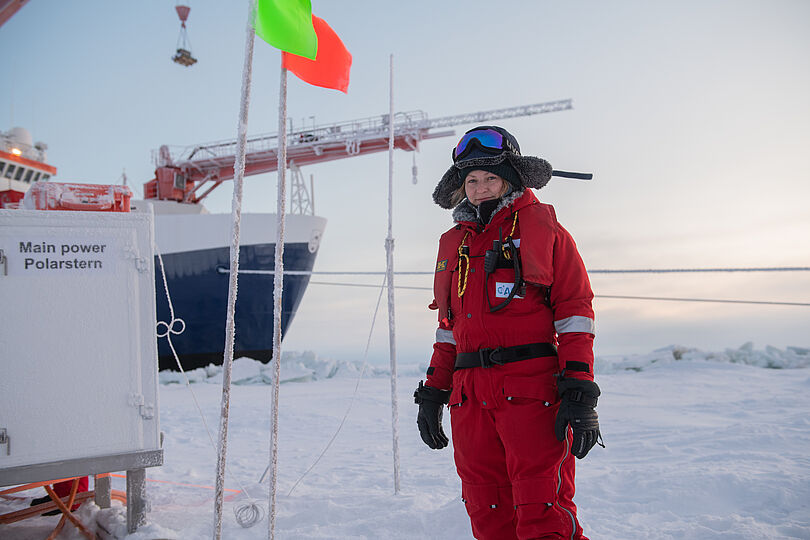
{"x":247,"y":514}
{"x":351,"y":402}
{"x":368,"y":285}
{"x":760,"y":302}
{"x":699,"y":270}
{"x":224,"y":270}
{"x":621,"y":297}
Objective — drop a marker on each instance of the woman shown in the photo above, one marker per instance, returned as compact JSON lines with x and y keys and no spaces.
{"x":513,"y":356}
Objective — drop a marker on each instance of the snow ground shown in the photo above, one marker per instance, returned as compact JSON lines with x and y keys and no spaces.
{"x":700,"y":445}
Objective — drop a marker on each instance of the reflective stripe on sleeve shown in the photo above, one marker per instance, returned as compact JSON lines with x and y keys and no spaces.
{"x":575,"y":323}
{"x":445,"y":336}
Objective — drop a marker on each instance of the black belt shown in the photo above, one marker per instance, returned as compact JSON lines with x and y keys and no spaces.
{"x":504,"y":355}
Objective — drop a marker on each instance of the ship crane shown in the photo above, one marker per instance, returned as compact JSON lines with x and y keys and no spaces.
{"x":189,"y":174}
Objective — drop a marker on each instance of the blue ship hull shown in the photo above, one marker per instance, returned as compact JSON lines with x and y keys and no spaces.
{"x":199,"y":293}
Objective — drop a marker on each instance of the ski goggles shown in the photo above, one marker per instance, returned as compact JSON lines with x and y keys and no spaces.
{"x":485,"y":139}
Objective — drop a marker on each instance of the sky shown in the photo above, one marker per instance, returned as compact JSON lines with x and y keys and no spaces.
{"x":692,"y":115}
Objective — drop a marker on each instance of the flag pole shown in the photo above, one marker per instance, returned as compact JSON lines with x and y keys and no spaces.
{"x":278,"y":281}
{"x":389,"y":250}
{"x":236,"y":216}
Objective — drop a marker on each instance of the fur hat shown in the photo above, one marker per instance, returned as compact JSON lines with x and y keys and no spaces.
{"x":520,"y":171}
{"x":503,"y":169}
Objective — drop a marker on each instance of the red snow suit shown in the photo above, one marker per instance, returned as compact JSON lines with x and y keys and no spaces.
{"x":517,"y":478}
{"x":62,"y":489}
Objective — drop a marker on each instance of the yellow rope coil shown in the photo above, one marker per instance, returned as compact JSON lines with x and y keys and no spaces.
{"x":462,"y":283}
{"x":506,"y":253}
{"x":465,"y":259}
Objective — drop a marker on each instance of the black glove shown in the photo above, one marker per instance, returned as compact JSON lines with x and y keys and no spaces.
{"x":578,"y":400}
{"x":431,"y":401}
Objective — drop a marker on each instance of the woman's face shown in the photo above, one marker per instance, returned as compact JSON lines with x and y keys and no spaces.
{"x":481,"y":186}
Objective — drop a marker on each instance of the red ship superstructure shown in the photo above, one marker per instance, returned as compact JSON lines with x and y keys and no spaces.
{"x":22,"y":163}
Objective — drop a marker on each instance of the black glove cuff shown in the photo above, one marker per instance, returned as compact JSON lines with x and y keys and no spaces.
{"x":428,"y":393}
{"x":579,"y":391}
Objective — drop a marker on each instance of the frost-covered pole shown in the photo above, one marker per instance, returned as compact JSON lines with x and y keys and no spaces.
{"x":278,"y":282}
{"x":389,"y":251}
{"x":236,"y":214}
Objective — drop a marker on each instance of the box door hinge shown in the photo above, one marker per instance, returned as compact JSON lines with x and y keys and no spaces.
{"x":5,"y":439}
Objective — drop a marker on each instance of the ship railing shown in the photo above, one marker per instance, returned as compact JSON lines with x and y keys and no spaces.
{"x":405,"y":123}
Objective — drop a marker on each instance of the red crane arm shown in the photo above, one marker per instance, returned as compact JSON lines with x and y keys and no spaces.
{"x":182,"y":177}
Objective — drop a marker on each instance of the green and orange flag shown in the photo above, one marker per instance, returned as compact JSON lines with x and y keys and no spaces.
{"x":287,"y":25}
{"x":330,"y":68}
{"x":310,"y":49}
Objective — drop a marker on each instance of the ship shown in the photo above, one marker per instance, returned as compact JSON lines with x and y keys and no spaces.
{"x":22,"y":162}
{"x":193,"y":245}
{"x":194,"y":255}
{"x":194,"y":249}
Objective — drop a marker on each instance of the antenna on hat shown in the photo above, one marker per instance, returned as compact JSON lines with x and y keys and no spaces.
{"x":577,"y":175}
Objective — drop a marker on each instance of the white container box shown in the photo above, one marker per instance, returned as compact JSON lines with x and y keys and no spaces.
{"x":78,"y":354}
